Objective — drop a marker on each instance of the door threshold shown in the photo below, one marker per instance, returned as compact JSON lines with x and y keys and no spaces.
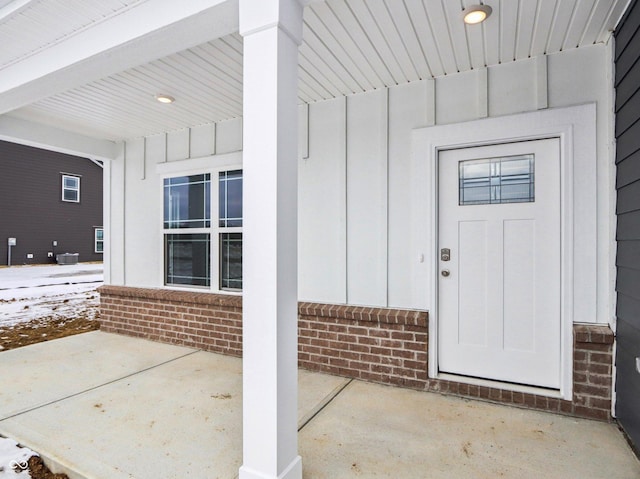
{"x":490,"y":383}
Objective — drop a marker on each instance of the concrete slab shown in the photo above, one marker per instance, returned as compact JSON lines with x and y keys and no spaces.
{"x":377,"y":431}
{"x":178,"y":418}
{"x":42,"y":373}
{"x":128,"y":408}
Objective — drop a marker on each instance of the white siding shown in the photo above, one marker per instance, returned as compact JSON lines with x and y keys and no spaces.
{"x":355,"y":184}
{"x":322,"y":249}
{"x":367,"y":128}
{"x":408,"y":107}
{"x":143,"y":214}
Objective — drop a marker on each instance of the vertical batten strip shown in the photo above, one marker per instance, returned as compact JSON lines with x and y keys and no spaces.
{"x":144,"y":158}
{"x":430,"y":85}
{"x":304,"y":133}
{"x":482,"y":84}
{"x":542,"y":83}
{"x":215,"y":138}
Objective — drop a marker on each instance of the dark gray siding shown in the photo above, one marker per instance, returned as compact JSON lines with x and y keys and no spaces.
{"x":628,"y":232}
{"x":32,"y":210}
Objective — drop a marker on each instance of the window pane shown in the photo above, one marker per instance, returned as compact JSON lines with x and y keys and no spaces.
{"x":70,"y":182}
{"x":70,"y":195}
{"x":99,"y":234}
{"x":231,"y":261}
{"x":497,"y":180}
{"x":99,"y":247}
{"x":187,"y":202}
{"x":187,"y":258}
{"x":230,"y":198}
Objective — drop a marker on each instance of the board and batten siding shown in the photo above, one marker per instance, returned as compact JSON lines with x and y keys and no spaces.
{"x":355,"y":210}
{"x":627,"y":130}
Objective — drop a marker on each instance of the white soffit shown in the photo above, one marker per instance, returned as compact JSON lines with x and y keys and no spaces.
{"x":350,"y":46}
{"x":38,"y":24}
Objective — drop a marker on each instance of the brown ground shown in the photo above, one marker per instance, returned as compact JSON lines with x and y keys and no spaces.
{"x":45,"y":329}
{"x":38,"y":470}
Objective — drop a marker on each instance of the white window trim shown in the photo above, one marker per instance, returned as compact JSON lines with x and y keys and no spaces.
{"x":576,"y":129}
{"x":214,"y":165}
{"x":72,"y":189}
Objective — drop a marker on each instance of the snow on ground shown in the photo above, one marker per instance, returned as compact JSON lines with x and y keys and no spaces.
{"x":51,"y":291}
{"x":13,"y":459}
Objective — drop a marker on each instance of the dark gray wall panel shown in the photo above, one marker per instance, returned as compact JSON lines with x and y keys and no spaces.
{"x":628,"y":198}
{"x":629,"y":226}
{"x":628,"y":170}
{"x":628,"y":254}
{"x":628,"y":307}
{"x":627,"y":282}
{"x":629,"y":141}
{"x":628,"y":114}
{"x":626,"y":31}
{"x":627,"y":129}
{"x":627,"y":59}
{"x":628,"y":386}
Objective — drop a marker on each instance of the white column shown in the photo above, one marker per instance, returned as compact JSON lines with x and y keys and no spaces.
{"x":272,"y":31}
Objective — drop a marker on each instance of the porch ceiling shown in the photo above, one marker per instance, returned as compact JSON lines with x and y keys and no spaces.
{"x":350,"y":46}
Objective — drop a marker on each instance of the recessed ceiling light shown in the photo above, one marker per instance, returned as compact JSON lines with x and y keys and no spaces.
{"x":476,"y":14}
{"x":162,"y":98}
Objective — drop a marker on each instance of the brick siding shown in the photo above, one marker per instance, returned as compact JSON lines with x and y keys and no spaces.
{"x":388,"y":346}
{"x":205,"y":321}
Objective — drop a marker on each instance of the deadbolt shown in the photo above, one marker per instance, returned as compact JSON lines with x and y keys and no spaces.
{"x":445,"y":254}
{"x":445,"y":273}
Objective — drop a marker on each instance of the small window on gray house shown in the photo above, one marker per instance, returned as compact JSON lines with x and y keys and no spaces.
{"x":99,"y":240}
{"x":509,"y":179}
{"x":71,"y":188}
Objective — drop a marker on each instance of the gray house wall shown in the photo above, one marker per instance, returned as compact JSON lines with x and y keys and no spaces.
{"x":628,"y":232}
{"x":32,"y":210}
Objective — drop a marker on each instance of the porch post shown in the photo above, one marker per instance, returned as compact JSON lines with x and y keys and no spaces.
{"x":272,"y":31}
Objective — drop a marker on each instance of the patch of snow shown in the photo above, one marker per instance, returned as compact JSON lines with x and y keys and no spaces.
{"x":12,"y":458}
{"x":48,"y":292}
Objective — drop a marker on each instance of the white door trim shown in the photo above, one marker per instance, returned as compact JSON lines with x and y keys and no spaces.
{"x":576,"y":129}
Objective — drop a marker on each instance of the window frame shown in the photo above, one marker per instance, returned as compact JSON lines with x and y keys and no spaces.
{"x":96,"y":240}
{"x":214,"y":230}
{"x":65,"y":188}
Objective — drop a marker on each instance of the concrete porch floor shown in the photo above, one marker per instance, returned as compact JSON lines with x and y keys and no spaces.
{"x":102,"y":406}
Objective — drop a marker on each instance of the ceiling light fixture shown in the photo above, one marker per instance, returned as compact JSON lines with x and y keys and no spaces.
{"x":162,"y":98}
{"x":474,"y":14}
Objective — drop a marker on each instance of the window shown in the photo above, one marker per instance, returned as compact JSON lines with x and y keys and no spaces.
{"x":71,"y":188}
{"x":497,"y":180}
{"x":99,"y":240}
{"x":193,"y":243}
{"x":230,"y":223}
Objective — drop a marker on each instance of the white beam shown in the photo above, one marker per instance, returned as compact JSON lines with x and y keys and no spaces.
{"x":146,"y":32}
{"x":55,"y":139}
{"x":272,"y":31}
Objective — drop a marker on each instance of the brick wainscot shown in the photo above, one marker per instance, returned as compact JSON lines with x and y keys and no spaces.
{"x":387,"y":346}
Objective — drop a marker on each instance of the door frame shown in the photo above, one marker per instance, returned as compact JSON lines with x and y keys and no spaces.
{"x":575,"y":127}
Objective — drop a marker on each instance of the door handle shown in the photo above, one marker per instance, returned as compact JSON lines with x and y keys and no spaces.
{"x":445,"y":273}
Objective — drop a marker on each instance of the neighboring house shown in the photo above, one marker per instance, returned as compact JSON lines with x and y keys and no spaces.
{"x":403,"y":199}
{"x":51,"y":204}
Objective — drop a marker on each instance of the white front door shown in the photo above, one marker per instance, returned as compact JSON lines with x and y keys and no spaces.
{"x":499,"y":262}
